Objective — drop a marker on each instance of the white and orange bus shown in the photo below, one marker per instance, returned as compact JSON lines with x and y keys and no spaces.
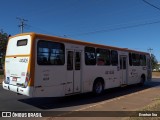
{"x":39,"y":65}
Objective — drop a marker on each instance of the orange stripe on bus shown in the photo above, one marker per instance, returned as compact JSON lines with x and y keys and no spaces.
{"x":32,"y":61}
{"x":27,"y":55}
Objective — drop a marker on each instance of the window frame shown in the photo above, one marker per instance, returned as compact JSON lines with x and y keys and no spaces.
{"x":22,"y":40}
{"x":49,"y":45}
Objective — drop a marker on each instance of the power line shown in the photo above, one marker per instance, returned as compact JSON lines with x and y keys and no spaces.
{"x":22,"y":24}
{"x":115,"y":29}
{"x":151,"y":4}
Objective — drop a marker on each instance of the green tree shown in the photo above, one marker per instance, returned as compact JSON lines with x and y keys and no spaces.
{"x":3,"y":44}
{"x":154,"y":62}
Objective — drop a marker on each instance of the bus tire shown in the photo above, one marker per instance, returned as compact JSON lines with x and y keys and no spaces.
{"x":98,"y":86}
{"x":142,"y":80}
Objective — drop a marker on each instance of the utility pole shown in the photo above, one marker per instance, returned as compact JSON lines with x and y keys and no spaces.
{"x":22,"y":23}
{"x":150,"y":50}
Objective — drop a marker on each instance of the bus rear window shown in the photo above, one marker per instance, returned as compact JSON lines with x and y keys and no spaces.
{"x":22,"y":42}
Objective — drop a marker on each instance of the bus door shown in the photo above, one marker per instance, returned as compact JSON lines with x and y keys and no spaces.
{"x":123,"y":69}
{"x":73,"y":84}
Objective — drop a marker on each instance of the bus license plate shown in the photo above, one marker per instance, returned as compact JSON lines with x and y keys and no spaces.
{"x":14,"y":79}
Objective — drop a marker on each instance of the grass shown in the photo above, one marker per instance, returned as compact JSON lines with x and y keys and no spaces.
{"x":157,"y":74}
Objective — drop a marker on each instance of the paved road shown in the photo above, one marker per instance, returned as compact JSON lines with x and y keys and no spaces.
{"x":118,"y":99}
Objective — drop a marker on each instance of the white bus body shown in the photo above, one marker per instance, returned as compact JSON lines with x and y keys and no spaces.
{"x":38,"y":65}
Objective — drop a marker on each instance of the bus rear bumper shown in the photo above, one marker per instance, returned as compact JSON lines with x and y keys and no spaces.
{"x":24,"y":91}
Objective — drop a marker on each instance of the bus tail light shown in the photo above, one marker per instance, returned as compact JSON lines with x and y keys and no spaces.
{"x":27,"y":80}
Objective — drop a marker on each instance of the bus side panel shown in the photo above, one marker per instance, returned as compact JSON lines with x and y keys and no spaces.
{"x":135,"y":73}
{"x":109,"y":74}
{"x":49,"y":79}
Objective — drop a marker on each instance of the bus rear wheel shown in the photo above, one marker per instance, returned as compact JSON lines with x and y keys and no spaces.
{"x":98,"y":87}
{"x":142,"y":80}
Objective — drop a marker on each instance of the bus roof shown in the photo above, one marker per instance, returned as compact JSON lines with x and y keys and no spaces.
{"x":68,"y":40}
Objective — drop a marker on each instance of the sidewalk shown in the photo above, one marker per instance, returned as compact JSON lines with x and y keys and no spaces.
{"x":129,"y":102}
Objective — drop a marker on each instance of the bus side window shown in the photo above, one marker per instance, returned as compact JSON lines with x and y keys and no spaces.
{"x":50,"y":53}
{"x":90,"y":56}
{"x":142,"y":60}
{"x":114,"y":57}
{"x":103,"y":56}
{"x":42,"y":53}
{"x":130,"y":59}
{"x":77,"y":60}
{"x":70,"y":60}
{"x":149,"y":63}
{"x":135,"y":59}
{"x":120,"y":63}
{"x":57,"y":53}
